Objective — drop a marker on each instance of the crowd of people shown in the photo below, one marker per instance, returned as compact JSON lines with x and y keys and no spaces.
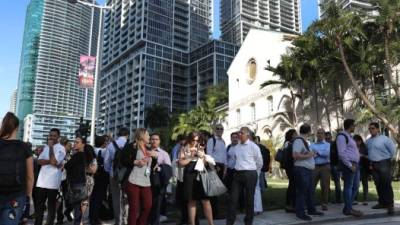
{"x":347,"y":158}
{"x":132,"y":177}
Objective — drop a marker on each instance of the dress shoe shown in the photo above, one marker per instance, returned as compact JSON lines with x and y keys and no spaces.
{"x":304,"y":217}
{"x":378,"y":206}
{"x":390,"y":210}
{"x":315,"y":213}
{"x":354,"y":213}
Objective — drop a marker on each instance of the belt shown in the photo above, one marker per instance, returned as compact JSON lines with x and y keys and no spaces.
{"x":383,"y":160}
{"x":245,"y":171}
{"x":323,"y":164}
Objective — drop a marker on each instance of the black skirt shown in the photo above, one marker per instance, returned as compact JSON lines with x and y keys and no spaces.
{"x":193,"y":188}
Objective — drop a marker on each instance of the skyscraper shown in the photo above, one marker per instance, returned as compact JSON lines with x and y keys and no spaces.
{"x":56,"y":34}
{"x":357,"y":5}
{"x":147,"y":51}
{"x":13,"y":101}
{"x":239,"y":16}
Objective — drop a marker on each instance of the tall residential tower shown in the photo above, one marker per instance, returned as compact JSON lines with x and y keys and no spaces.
{"x":56,"y":35}
{"x":356,"y":5}
{"x":239,"y":16}
{"x":146,"y":58}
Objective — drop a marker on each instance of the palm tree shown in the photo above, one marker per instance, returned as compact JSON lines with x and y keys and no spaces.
{"x":343,"y":29}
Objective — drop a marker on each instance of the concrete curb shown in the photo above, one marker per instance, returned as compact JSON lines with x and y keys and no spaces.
{"x":348,"y":218}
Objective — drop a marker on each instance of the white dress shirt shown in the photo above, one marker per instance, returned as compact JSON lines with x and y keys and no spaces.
{"x":248,"y":156}
{"x":50,"y":176}
{"x":219,"y":151}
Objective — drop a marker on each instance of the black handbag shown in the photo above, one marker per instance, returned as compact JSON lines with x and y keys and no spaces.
{"x":77,"y":193}
{"x":212,"y":185}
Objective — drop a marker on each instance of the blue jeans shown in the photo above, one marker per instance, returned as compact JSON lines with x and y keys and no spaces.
{"x":350,"y":188}
{"x":11,"y":213}
{"x":304,"y":190}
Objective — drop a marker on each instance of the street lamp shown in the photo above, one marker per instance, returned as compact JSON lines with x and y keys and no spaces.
{"x":101,"y":8}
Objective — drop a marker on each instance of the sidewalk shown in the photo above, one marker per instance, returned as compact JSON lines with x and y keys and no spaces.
{"x":280,"y":217}
{"x":334,"y":214}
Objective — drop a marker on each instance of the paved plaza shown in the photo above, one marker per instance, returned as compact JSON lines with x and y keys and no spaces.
{"x":333,"y":216}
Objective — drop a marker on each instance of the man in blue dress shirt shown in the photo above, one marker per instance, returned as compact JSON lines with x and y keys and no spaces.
{"x":381,"y":150}
{"x":322,"y":172}
{"x":115,"y":187}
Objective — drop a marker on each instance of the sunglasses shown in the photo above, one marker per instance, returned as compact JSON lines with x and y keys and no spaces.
{"x":219,"y":128}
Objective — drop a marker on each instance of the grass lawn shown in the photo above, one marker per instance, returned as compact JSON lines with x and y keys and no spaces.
{"x":274,"y":197}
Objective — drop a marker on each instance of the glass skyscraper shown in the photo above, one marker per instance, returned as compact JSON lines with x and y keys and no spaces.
{"x":239,"y":16}
{"x":147,"y":58}
{"x":56,"y":34}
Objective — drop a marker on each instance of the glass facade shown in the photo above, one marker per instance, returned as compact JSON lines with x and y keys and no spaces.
{"x":157,"y":52}
{"x":29,"y":57}
{"x":239,"y":16}
{"x":56,"y":34}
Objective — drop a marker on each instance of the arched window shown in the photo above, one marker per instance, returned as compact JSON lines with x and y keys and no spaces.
{"x":238,"y":120}
{"x":253,"y":111}
{"x":270,"y":104}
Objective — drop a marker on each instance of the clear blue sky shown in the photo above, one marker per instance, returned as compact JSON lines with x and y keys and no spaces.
{"x":12,"y":19}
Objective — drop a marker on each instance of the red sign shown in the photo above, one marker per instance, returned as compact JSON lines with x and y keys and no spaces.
{"x":86,"y":71}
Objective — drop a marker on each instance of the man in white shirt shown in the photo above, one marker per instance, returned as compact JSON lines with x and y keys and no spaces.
{"x":248,"y":161}
{"x":50,"y":176}
{"x":217,"y":149}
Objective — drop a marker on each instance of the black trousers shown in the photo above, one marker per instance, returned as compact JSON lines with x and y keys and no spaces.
{"x":43,"y":194}
{"x":364,"y":175}
{"x":381,"y":172}
{"x":158,"y":194}
{"x":63,"y":202}
{"x":242,"y":180}
{"x":291,"y":190}
{"x":220,"y":167}
{"x":99,"y":194}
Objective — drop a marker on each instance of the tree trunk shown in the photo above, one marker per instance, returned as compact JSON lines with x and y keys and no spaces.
{"x":361,"y":94}
{"x":388,"y":65}
{"x":294,"y":108}
{"x":316,"y":103}
{"x":325,"y":105}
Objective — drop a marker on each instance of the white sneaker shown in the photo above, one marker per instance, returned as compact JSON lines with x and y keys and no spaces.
{"x":163,"y":218}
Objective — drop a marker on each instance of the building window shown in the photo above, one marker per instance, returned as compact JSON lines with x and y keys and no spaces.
{"x":253,"y":111}
{"x":238,"y":122}
{"x":270,"y":104}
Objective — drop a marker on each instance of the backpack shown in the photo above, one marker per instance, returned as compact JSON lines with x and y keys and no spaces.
{"x":12,"y":168}
{"x":265,"y":153}
{"x":280,"y":156}
{"x":334,"y":153}
{"x":101,"y":172}
{"x":284,"y":156}
{"x":119,"y":170}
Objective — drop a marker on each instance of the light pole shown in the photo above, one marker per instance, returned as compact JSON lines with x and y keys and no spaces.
{"x":98,"y":53}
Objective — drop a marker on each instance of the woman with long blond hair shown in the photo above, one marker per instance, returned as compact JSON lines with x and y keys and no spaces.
{"x":138,"y":185}
{"x":192,"y":152}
